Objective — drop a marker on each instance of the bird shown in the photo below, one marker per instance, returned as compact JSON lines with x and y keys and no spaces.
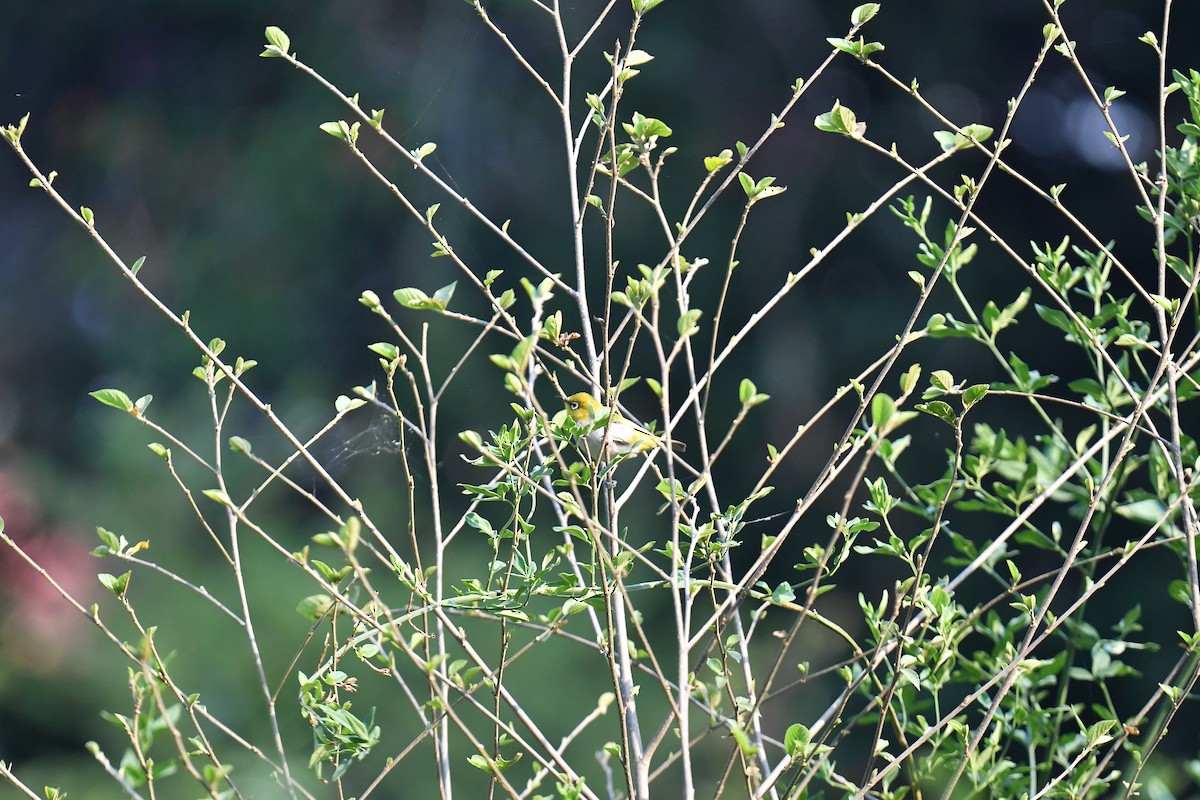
{"x":621,"y":435}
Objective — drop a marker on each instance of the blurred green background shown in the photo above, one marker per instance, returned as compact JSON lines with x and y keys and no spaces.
{"x":206,"y":159}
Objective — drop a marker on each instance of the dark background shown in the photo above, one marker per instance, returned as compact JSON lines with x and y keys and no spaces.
{"x":206,"y":159}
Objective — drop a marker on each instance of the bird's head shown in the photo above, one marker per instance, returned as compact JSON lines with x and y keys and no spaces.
{"x":582,"y":407}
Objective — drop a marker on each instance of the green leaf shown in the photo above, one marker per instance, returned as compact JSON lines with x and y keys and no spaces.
{"x":278,"y":39}
{"x":858,"y":48}
{"x":642,"y":6}
{"x":110,"y":539}
{"x":344,"y":404}
{"x":1169,"y":304}
{"x":410,"y":297}
{"x":883,"y":408}
{"x":687,"y":322}
{"x":240,"y":366}
{"x":443,"y":295}
{"x":314,"y":606}
{"x":370,"y":299}
{"x":1131,"y":340}
{"x":341,"y":130}
{"x":643,"y":130}
{"x":552,"y":327}
{"x":335,"y":129}
{"x":714,"y":163}
{"x":746,"y":390}
{"x":951,"y":140}
{"x":761,"y":189}
{"x":218,"y":496}
{"x":329,"y":573}
{"x":113,"y":397}
{"x":137,"y":265}
{"x":117,"y":584}
{"x":1058,"y":319}
{"x":13,"y":134}
{"x":1100,"y":733}
{"x":747,"y":184}
{"x":797,"y":737}
{"x":996,"y":320}
{"x":842,"y":120}
{"x":939,"y":409}
{"x":974,"y":394}
{"x":385,"y":350}
{"x":863,"y":14}
{"x":942,"y":379}
{"x":239,"y":445}
{"x":636,"y":58}
{"x":978,"y":132}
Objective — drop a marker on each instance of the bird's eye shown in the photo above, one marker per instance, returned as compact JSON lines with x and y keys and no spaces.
{"x":573,"y":406}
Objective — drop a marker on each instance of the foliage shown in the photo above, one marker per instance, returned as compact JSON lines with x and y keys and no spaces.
{"x":719,"y":639}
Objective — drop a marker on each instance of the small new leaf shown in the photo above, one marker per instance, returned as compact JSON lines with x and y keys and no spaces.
{"x":385,"y":350}
{"x":863,"y":14}
{"x":749,"y":395}
{"x":341,"y":130}
{"x":974,"y":394}
{"x":218,"y":496}
{"x":278,"y":43}
{"x":344,"y":404}
{"x":410,"y":297}
{"x":796,"y":740}
{"x":858,"y":48}
{"x":117,"y":584}
{"x":637,"y":57}
{"x":314,"y":606}
{"x":113,"y":397}
{"x":642,"y":6}
{"x":842,"y":120}
{"x":714,"y":163}
{"x":687,"y":322}
{"x":939,"y":409}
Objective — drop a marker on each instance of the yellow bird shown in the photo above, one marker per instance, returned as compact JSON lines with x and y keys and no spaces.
{"x":623,"y":436}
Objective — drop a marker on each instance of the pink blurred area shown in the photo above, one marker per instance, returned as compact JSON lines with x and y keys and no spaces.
{"x":38,"y":626}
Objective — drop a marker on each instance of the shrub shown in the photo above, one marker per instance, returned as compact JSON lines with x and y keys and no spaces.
{"x":942,"y":607}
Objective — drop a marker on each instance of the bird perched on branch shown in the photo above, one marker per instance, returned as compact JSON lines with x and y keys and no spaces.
{"x":622,"y":435}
